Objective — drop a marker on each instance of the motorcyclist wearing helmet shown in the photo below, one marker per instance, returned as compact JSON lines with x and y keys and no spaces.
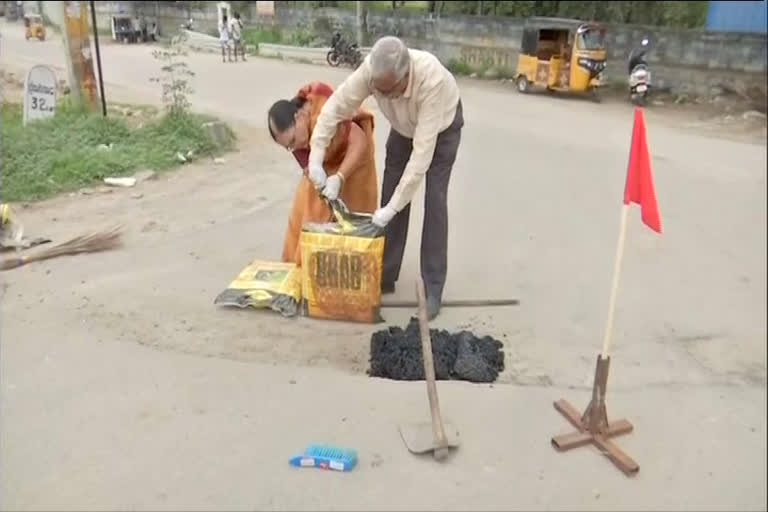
{"x":637,"y":56}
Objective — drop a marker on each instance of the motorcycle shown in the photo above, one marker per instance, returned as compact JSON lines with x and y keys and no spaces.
{"x":342,"y":52}
{"x":639,"y":74}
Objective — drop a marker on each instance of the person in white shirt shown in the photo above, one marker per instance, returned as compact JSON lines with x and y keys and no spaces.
{"x":236,"y":33}
{"x":420,"y":98}
{"x":224,"y":39}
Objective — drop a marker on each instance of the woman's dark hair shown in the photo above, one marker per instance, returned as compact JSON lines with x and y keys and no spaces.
{"x":282,"y":115}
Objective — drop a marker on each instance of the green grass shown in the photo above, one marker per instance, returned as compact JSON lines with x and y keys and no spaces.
{"x":260,"y":35}
{"x":462,"y":68}
{"x":275,"y":35}
{"x":375,"y":5}
{"x":62,"y":153}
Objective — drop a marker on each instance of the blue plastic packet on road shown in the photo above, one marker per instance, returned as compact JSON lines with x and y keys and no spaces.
{"x":324,"y":456}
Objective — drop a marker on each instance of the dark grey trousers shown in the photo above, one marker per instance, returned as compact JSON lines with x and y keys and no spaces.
{"x":434,"y":235}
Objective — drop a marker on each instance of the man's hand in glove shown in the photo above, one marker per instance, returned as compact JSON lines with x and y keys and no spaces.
{"x":333,"y":187}
{"x":383,"y":215}
{"x":317,"y":176}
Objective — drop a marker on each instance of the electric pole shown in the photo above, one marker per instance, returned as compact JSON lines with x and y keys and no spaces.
{"x":73,"y":77}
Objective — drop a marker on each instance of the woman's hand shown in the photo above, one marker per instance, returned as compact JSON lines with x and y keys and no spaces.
{"x":317,"y":176}
{"x":333,"y":187}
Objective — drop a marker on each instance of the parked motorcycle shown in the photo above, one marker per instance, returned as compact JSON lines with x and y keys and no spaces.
{"x":639,"y":74}
{"x":342,"y":52}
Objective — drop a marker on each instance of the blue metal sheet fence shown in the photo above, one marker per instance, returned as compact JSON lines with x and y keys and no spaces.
{"x":737,"y":16}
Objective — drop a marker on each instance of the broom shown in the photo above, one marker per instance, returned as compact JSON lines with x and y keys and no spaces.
{"x":95,"y":242}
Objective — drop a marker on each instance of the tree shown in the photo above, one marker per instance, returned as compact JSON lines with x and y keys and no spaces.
{"x":362,"y":22}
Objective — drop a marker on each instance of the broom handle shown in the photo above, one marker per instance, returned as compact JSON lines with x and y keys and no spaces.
{"x":11,"y":263}
{"x":441,"y":445}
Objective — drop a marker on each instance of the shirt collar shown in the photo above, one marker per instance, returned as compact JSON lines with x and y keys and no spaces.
{"x":409,"y":89}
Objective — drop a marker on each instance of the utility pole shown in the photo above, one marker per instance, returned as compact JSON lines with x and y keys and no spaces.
{"x":98,"y":59}
{"x":362,"y":22}
{"x":77,"y":53}
{"x":73,"y":77}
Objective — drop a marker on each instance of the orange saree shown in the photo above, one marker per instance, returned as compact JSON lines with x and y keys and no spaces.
{"x":360,"y":185}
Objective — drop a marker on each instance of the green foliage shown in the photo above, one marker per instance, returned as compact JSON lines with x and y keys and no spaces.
{"x":459,"y":67}
{"x":253,"y":36}
{"x":63,"y":153}
{"x":276,"y":35}
{"x":462,"y":68}
{"x":682,"y":14}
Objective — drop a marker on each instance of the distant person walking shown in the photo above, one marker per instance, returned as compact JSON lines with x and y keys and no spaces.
{"x":236,"y":33}
{"x":224,"y":39}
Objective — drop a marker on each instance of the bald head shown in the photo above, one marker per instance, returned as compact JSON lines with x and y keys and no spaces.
{"x":389,"y":56}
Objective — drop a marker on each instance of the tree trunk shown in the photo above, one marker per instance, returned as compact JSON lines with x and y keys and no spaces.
{"x":480,"y":8}
{"x":362,"y":22}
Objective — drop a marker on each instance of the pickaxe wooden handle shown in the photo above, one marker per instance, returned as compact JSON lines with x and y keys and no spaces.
{"x":441,"y":443}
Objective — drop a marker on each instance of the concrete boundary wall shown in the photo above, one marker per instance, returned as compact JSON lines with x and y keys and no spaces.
{"x":695,"y":61}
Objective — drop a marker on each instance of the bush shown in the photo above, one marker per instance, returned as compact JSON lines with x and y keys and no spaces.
{"x":64,"y":153}
{"x":254,"y":36}
{"x":459,"y":67}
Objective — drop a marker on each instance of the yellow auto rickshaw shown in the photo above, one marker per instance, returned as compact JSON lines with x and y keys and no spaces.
{"x":33,"y":23}
{"x":561,"y":55}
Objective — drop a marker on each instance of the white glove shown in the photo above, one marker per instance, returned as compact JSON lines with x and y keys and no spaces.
{"x":317,"y":175}
{"x":383,"y":215}
{"x":332,"y":187}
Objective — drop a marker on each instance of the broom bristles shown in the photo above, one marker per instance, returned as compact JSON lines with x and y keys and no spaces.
{"x":95,"y":242}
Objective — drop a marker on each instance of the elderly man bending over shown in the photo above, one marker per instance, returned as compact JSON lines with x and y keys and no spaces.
{"x":420,"y":98}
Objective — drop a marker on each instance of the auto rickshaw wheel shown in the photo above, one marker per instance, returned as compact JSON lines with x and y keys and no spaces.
{"x":523,"y":85}
{"x":594,"y":95}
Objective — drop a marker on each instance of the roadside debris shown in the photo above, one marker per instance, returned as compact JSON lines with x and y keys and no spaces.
{"x":324,"y":456}
{"x":12,"y":232}
{"x":753,"y":114}
{"x":128,"y":181}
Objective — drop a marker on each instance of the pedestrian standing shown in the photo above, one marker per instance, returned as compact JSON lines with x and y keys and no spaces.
{"x":236,"y":33}
{"x":420,"y":99}
{"x":224,"y":39}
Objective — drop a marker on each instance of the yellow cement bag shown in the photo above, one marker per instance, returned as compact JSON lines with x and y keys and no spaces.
{"x":264,"y":284}
{"x":341,"y":268}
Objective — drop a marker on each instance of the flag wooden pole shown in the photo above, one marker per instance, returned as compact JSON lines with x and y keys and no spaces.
{"x":593,"y":427}
{"x":607,"y":338}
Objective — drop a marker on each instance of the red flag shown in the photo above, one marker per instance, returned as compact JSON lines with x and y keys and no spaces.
{"x":639,"y":186}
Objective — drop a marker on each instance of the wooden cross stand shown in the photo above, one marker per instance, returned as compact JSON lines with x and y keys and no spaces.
{"x":593,"y":426}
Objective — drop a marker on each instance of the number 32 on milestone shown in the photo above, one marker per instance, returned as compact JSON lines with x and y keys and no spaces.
{"x":39,"y":94}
